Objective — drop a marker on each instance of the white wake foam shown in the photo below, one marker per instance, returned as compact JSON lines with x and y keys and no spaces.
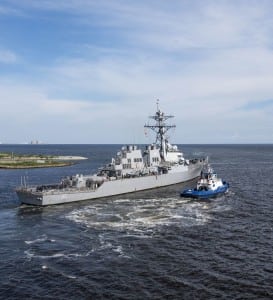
{"x":141,"y":215}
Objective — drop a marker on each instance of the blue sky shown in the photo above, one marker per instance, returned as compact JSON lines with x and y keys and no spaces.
{"x":78,"y":71}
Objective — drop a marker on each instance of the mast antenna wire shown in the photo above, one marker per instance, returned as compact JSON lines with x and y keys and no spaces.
{"x":160,"y":128}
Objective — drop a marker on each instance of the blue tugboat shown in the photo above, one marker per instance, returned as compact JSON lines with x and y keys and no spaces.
{"x":208,"y":185}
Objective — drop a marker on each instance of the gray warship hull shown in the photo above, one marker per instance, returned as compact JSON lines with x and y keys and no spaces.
{"x":132,"y":170}
{"x":177,"y":174}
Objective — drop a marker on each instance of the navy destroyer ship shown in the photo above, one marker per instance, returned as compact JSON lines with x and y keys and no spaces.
{"x":158,"y":165}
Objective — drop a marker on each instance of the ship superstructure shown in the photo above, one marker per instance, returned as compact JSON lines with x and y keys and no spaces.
{"x":131,"y":170}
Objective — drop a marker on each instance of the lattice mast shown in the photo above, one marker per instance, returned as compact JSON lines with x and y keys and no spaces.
{"x":160,"y":127}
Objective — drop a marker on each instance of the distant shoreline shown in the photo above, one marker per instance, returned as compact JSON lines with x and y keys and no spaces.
{"x":23,"y":161}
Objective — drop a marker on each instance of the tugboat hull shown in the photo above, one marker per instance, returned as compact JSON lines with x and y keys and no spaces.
{"x":205,"y":194}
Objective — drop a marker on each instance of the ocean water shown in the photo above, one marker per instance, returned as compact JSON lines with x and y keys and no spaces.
{"x":150,"y":245}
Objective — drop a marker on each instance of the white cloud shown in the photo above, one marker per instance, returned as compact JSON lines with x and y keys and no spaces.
{"x":7,"y":57}
{"x":28,"y":113}
{"x":8,"y":10}
{"x":205,"y":60}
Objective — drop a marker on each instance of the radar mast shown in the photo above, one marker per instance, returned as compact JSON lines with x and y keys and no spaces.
{"x":160,"y":128}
